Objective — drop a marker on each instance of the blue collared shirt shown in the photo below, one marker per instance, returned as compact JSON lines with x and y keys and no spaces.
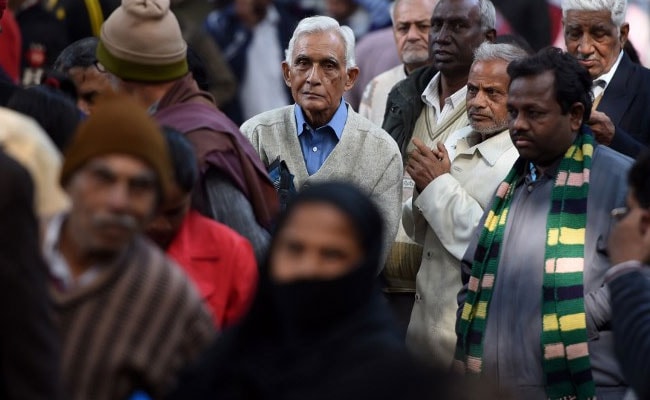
{"x":317,"y":144}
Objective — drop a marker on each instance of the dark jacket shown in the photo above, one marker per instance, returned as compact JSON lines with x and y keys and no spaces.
{"x":630,"y":296}
{"x":233,"y":39}
{"x":29,"y":343}
{"x":404,"y":106}
{"x":627,"y":103}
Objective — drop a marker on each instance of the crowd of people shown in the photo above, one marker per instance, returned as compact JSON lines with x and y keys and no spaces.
{"x":235,"y":200}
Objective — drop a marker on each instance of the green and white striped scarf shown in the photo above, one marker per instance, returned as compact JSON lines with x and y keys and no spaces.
{"x":565,"y":352}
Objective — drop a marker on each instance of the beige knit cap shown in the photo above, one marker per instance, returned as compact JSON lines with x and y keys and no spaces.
{"x":142,"y":41}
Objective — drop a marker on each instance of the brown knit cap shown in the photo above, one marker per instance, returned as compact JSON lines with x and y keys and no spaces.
{"x":119,"y":125}
{"x":142,"y":41}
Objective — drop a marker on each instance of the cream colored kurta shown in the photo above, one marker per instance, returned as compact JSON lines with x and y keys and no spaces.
{"x":443,"y":218}
{"x":365,"y":156}
{"x":375,"y":95}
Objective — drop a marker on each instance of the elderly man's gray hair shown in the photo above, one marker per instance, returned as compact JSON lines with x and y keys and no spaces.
{"x":616,"y":7}
{"x":319,"y":24}
{"x":499,"y":51}
{"x":488,"y":14}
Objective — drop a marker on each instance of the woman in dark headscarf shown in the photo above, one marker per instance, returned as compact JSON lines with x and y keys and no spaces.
{"x":318,"y":327}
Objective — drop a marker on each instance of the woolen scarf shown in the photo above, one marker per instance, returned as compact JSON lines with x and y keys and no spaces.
{"x":566,"y":365}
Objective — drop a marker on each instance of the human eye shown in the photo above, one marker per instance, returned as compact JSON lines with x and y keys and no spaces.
{"x":424,"y":26}
{"x":472,"y":90}
{"x":512,"y":113}
{"x":436,"y":25}
{"x":573,"y":33}
{"x":402,"y":28}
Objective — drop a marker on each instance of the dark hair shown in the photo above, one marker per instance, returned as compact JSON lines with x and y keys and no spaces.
{"x":572,"y":81}
{"x":515,"y":40}
{"x":639,"y":179}
{"x":54,"y":111}
{"x":78,"y":54}
{"x":197,"y":67}
{"x":184,"y":163}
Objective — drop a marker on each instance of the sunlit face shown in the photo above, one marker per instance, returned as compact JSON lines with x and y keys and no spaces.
{"x":90,"y":83}
{"x":539,"y":130}
{"x":455,"y":33}
{"x":113,"y":197}
{"x":411,"y":28}
{"x":317,"y":242}
{"x":594,"y":40}
{"x":487,"y":95}
{"x":169,"y":218}
{"x":317,"y":74}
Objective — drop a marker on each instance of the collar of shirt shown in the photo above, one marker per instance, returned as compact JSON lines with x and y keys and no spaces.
{"x":490,"y":149}
{"x":337,"y":123}
{"x":58,"y":266}
{"x":431,"y":97}
{"x":604,"y":79}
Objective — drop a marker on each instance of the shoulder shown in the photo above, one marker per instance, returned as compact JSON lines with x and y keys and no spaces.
{"x":267,"y":119}
{"x":211,"y":231}
{"x":610,"y":167}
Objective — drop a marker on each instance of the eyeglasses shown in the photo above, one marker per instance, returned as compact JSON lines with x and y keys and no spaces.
{"x":619,"y":213}
{"x":99,"y":67}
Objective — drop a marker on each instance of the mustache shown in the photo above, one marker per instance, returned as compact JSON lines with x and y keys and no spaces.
{"x":122,"y":221}
{"x":581,"y":57}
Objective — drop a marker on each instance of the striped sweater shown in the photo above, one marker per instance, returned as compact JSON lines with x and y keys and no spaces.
{"x":134,"y":327}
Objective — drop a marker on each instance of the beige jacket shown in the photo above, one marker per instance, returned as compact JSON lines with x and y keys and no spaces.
{"x":375,"y":94}
{"x":365,"y":156}
{"x":443,"y":218}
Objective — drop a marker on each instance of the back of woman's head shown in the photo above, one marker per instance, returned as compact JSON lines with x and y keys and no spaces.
{"x":54,"y":111}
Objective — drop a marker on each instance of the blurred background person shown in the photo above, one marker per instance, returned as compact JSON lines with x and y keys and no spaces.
{"x":220,"y":262}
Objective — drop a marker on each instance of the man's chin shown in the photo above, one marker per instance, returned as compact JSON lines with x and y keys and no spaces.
{"x":490,"y":129}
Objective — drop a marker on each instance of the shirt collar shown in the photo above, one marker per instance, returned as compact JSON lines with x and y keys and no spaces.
{"x":337,"y":123}
{"x":491,"y":148}
{"x":431,"y":97}
{"x":607,"y":77}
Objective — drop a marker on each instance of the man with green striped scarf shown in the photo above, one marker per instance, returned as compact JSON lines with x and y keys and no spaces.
{"x":534,"y":315}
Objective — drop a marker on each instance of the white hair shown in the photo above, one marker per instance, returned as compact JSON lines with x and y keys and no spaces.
{"x":617,"y":8}
{"x":319,"y":24}
{"x":499,"y":51}
{"x":488,"y":14}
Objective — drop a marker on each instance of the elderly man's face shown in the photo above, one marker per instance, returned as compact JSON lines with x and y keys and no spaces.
{"x":487,"y":94}
{"x":594,"y":40}
{"x":539,"y":130}
{"x":113,"y":197}
{"x":317,"y":75}
{"x":455,"y":33}
{"x":411,"y":28}
{"x":90,"y":83}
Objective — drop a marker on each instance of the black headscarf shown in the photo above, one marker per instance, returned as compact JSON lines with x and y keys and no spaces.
{"x":298,"y":336}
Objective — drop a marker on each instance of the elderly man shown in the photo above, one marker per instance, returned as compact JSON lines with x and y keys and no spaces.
{"x":411,"y":25}
{"x":534,"y":315}
{"x":321,"y":137}
{"x":142,"y":47}
{"x":128,"y":317}
{"x":430,"y":104}
{"x":452,"y":193}
{"x":595,"y":33}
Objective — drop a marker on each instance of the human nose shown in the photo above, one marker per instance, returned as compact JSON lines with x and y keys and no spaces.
{"x":118,"y":197}
{"x":440,"y":34}
{"x":413,"y":33}
{"x":518,"y":123}
{"x":313,"y":76}
{"x":585,"y":44}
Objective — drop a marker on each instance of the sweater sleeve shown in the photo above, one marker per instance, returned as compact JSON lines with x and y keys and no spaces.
{"x":630,"y":297}
{"x":228,"y":205}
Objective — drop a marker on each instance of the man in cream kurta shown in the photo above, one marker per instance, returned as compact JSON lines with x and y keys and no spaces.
{"x":463,"y":174}
{"x":321,"y":137}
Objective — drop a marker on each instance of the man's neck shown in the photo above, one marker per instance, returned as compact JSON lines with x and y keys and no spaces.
{"x":450,"y":85}
{"x":408,"y":68}
{"x":316,"y":120}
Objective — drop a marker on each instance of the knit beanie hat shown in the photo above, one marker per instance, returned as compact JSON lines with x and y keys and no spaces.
{"x":142,"y":41}
{"x":119,"y":125}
